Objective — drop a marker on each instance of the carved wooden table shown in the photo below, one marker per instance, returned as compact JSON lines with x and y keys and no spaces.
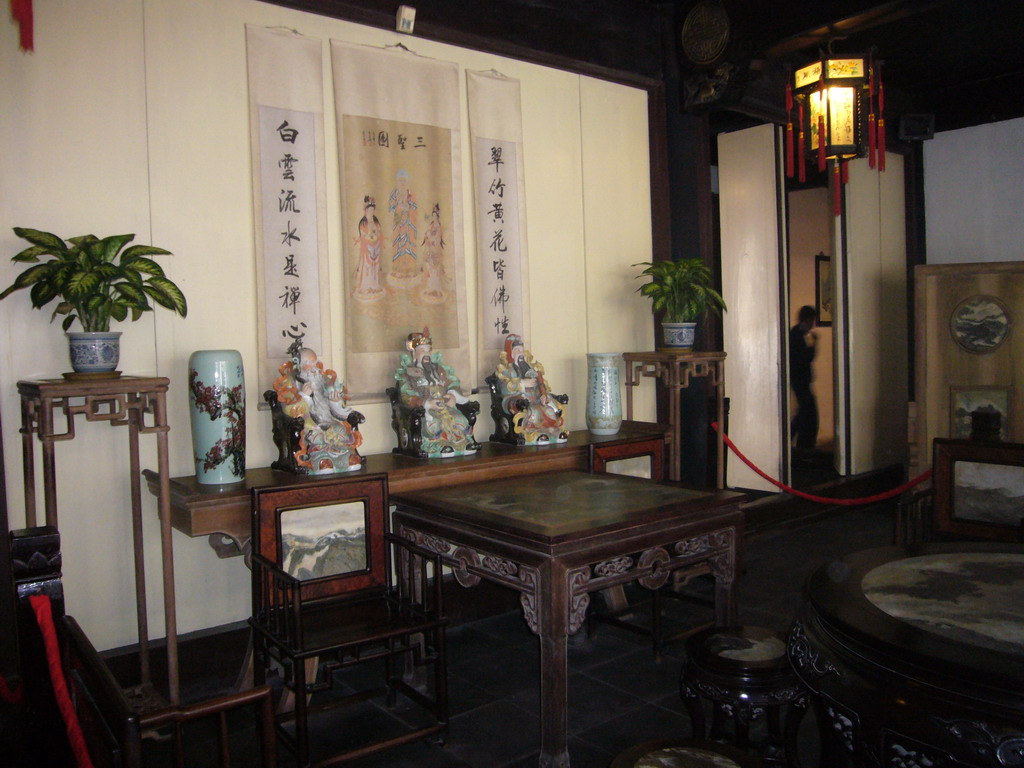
{"x":675,"y":369}
{"x":915,"y":656}
{"x":124,"y":401}
{"x":559,"y":536}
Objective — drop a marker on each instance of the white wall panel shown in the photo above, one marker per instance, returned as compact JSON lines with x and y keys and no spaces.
{"x":972,"y":180}
{"x":747,"y":171}
{"x":876,"y":271}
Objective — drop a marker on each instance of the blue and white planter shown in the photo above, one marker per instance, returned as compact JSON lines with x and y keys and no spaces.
{"x":604,"y":400}
{"x":94,"y":351}
{"x":679,"y":336}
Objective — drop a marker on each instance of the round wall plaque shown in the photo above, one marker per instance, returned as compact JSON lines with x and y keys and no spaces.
{"x":979,"y":324}
{"x":705,"y":32}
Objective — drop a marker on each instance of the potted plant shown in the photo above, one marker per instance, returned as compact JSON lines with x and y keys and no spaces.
{"x":682,"y":290}
{"x":94,"y":281}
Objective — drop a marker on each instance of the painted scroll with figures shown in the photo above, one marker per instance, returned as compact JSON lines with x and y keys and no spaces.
{"x":403,"y":263}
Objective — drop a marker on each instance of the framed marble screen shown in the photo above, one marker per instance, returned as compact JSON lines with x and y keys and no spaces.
{"x":328,"y":535}
{"x":979,"y":489}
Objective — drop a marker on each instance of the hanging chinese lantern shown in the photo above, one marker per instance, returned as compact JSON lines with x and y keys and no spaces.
{"x":837,"y":96}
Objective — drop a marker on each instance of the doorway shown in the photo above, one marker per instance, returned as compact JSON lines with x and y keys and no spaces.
{"x":810,"y":277}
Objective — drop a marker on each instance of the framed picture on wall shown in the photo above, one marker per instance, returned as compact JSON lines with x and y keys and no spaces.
{"x":963,"y":401}
{"x":823,"y":289}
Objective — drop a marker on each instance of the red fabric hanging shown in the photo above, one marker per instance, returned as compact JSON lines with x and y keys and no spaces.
{"x":21,"y":12}
{"x":802,"y":168}
{"x":846,"y":171}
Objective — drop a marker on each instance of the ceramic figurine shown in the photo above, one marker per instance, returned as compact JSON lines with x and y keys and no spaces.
{"x":430,"y":415}
{"x":316,"y":434}
{"x":524,"y":410}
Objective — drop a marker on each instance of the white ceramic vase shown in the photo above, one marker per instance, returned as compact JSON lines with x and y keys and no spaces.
{"x":604,"y":400}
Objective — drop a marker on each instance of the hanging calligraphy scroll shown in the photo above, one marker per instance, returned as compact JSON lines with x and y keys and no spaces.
{"x":496,"y":133}
{"x":286,"y":118}
{"x":399,"y":152}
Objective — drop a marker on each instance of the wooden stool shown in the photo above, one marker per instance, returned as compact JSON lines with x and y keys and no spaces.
{"x":744,"y":672}
{"x":684,"y":753}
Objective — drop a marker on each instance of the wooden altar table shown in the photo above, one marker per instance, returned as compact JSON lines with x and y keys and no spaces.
{"x":223,"y":512}
{"x":557,"y":537}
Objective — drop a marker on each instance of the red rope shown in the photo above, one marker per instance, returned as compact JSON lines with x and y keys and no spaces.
{"x":21,"y":12}
{"x":7,"y":695}
{"x":44,"y":616}
{"x":825,"y":499}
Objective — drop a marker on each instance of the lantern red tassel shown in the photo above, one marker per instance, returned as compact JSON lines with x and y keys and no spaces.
{"x":789,"y":150}
{"x":837,"y":193}
{"x":881,"y":144}
{"x":21,"y":12}
{"x":881,"y":122}
{"x":789,"y":131}
{"x":871,"y":140}
{"x":846,"y":171}
{"x":801,"y":165}
{"x":872,"y":127}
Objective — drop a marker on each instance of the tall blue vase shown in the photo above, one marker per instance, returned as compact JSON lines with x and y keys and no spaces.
{"x":216,"y":384}
{"x":604,"y":401}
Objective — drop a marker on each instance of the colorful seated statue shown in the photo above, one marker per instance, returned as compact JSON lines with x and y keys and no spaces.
{"x":430,"y":415}
{"x":315,"y":433}
{"x":524,"y":410}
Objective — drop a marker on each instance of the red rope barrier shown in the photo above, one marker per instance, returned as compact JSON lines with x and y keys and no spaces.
{"x":7,"y":695}
{"x":44,"y":616}
{"x":825,"y":499}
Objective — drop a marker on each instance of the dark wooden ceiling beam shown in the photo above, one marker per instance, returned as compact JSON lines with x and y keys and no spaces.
{"x":819,"y":37}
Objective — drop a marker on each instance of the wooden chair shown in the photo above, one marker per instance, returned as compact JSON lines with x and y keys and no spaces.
{"x":326,"y":597}
{"x":114,"y":731}
{"x":113,"y":724}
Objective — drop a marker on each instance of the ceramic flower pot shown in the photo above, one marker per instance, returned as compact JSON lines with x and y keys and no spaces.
{"x":94,"y":352}
{"x":678,"y":335}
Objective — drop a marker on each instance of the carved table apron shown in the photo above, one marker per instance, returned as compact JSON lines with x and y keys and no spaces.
{"x":557,"y":537}
{"x":915,"y":656}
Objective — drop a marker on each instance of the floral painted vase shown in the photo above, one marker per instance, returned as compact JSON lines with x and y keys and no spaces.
{"x":216,"y":385}
{"x":604,"y":401}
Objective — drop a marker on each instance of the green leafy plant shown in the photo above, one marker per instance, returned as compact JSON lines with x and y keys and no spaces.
{"x":680,"y":288}
{"x":94,"y":280}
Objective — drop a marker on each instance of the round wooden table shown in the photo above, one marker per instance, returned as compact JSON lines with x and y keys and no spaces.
{"x":915,"y":656}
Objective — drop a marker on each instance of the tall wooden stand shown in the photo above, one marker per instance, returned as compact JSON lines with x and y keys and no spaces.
{"x":675,"y":369}
{"x":119,"y":402}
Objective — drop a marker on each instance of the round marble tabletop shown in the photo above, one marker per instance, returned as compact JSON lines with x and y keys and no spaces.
{"x":975,"y":598}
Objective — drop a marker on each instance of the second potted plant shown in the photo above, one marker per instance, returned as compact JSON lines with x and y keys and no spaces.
{"x":95,"y":282}
{"x":682,"y":290}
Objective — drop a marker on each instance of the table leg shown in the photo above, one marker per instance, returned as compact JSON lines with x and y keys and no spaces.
{"x":554,"y":662}
{"x":724,"y":568}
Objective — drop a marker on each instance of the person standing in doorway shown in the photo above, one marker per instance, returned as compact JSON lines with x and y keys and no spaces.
{"x":802,"y":349}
